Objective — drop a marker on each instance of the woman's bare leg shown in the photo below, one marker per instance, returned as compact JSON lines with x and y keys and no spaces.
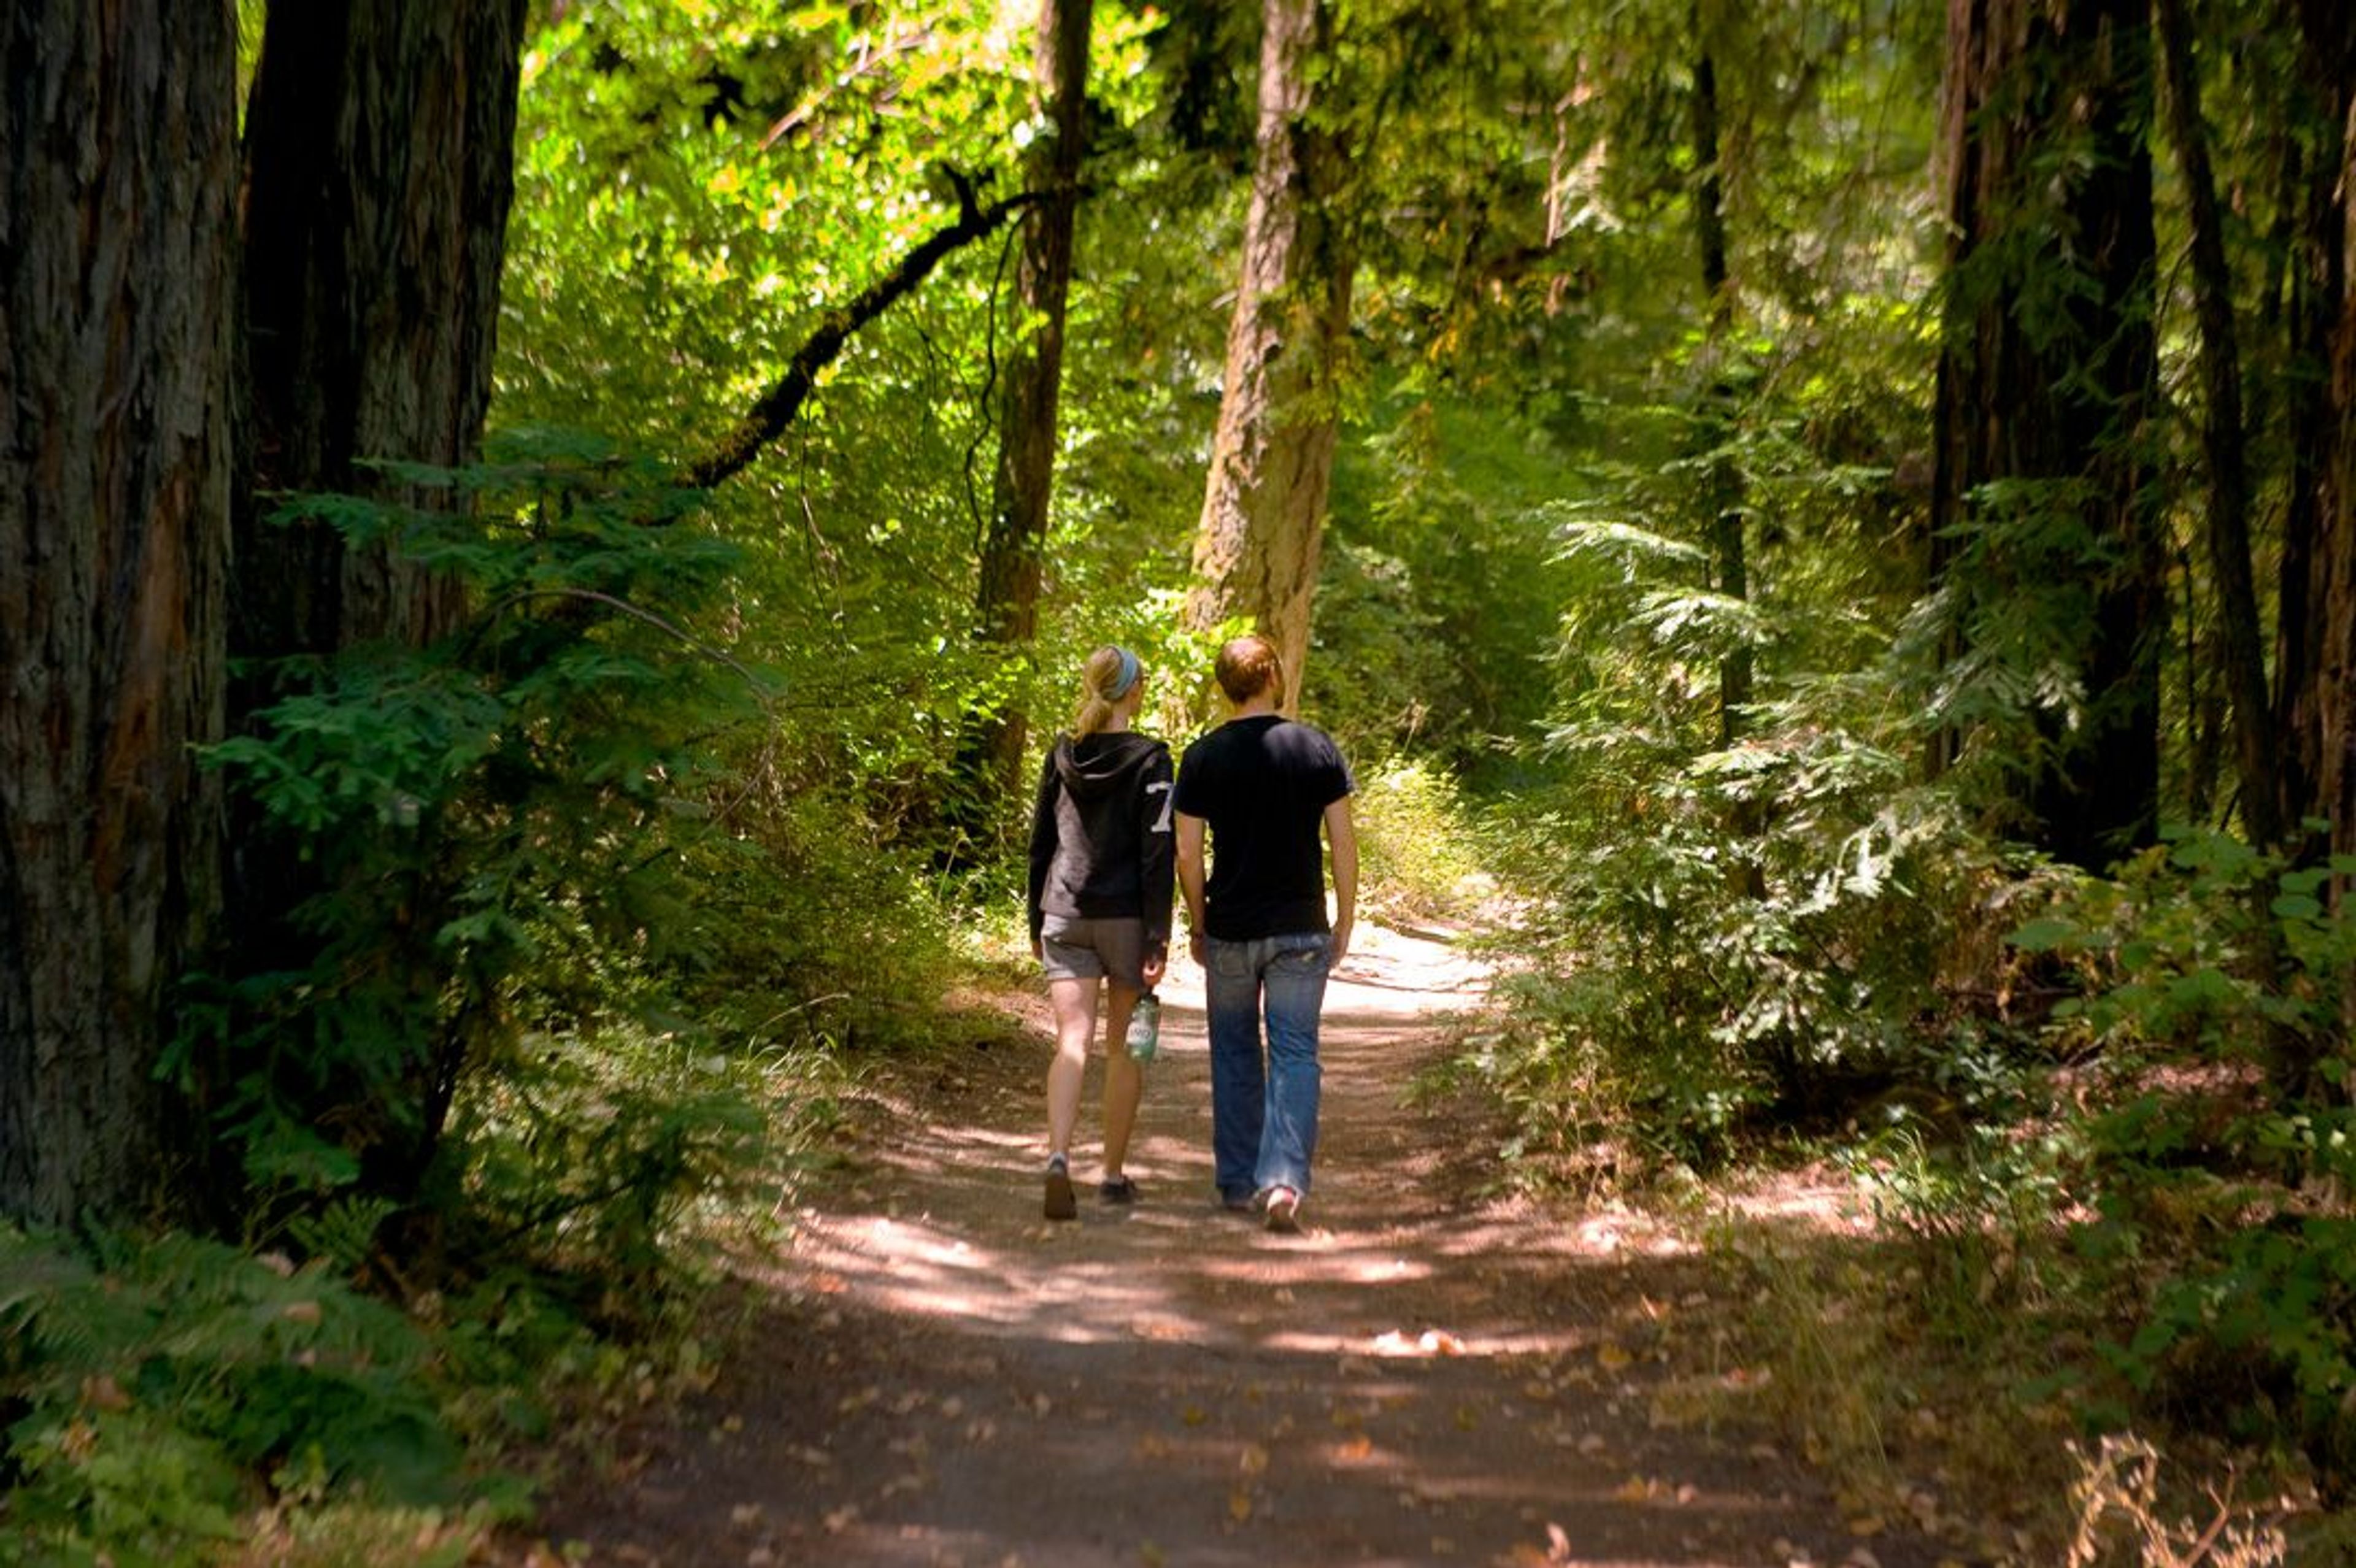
{"x":1124,"y":1080}
{"x":1075,"y":1022}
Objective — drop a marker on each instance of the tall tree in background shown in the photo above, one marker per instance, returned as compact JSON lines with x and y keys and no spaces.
{"x":2222,"y":437}
{"x":2046,"y":544}
{"x":1007,"y":606}
{"x":2329,"y":263}
{"x":2315,"y":650}
{"x":117,"y":161}
{"x":1730,"y":566}
{"x":1256,"y":551}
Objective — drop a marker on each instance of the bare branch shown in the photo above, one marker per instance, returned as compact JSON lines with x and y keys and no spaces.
{"x":775,"y":409}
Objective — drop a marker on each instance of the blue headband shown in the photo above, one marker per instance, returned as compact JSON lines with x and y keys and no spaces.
{"x":1130,"y":670}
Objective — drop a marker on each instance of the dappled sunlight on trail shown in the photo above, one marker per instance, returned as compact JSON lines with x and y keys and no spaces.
{"x":1425,"y":1374}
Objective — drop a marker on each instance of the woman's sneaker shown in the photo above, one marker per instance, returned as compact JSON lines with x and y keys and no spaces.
{"x":1283,"y":1210}
{"x":1061,"y":1204}
{"x":1116,"y":1189}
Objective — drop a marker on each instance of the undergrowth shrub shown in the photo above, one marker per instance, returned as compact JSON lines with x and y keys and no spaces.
{"x":569,"y":956}
{"x":2222,"y":1149}
{"x":1700,"y":980}
{"x":148,"y":1383}
{"x":476,"y":834}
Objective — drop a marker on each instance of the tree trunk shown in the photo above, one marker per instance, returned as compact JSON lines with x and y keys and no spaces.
{"x":2046,"y":385}
{"x":2314,"y":622}
{"x":1729,"y":562}
{"x":1007,"y":606}
{"x":379,"y":173}
{"x":2222,"y":437}
{"x":117,"y":156}
{"x":2334,"y":594}
{"x":1257,"y":549}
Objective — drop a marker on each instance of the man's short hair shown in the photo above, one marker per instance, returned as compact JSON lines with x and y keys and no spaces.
{"x":1248,"y":665}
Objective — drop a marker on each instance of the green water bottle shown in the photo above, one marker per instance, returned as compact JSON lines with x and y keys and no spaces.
{"x":1145,"y":1028}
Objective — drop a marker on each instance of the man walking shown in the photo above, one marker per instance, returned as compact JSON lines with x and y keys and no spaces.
{"x":1264,"y":785}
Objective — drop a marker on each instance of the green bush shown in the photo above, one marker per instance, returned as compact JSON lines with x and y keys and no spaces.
{"x":151,"y":1384}
{"x":2222,"y":1148}
{"x":1701,"y":977}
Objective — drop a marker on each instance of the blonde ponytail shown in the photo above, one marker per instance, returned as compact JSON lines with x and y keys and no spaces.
{"x":1109,"y":674}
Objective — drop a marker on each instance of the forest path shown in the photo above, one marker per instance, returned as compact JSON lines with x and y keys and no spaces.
{"x":1424,"y":1375}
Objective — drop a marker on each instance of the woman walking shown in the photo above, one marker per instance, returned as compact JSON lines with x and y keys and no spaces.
{"x":1101,"y":876}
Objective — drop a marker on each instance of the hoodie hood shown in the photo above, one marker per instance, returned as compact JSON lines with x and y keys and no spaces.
{"x":1097,"y":766}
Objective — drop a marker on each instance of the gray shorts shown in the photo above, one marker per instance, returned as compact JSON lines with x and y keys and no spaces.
{"x":1079,"y":949}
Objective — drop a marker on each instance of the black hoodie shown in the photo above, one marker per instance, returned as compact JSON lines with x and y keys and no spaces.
{"x":1100,"y":841}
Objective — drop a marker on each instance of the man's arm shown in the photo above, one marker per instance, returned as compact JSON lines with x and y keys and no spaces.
{"x":1190,"y":879}
{"x":1342,"y":833}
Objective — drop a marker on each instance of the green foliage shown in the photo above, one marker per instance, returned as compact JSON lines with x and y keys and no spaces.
{"x":2212,"y":985}
{"x":148,"y":1385}
{"x":2205,"y":948}
{"x":471,"y":812}
{"x":1440,"y":591}
{"x":1762,"y":934}
{"x":1703,"y":979}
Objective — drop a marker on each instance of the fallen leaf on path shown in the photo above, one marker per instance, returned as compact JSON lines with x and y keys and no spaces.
{"x":744,"y":1515}
{"x":1440,"y":1343}
{"x":1240,"y":1504}
{"x":1612,"y":1356}
{"x":1254,"y":1459}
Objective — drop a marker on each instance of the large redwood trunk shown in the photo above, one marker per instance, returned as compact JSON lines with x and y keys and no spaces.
{"x":117,"y":166}
{"x":1257,"y":549}
{"x":379,"y":172}
{"x":2045,"y":391}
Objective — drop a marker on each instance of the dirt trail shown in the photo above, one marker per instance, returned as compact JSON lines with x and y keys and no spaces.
{"x":1424,"y":1375}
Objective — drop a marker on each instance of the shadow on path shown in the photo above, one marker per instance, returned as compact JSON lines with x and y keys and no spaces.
{"x":1424,"y":1375}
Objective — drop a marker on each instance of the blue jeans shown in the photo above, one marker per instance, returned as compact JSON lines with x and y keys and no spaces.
{"x":1263,"y":1110}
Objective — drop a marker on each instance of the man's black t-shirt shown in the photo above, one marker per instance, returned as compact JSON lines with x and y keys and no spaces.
{"x":1263,"y":783}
